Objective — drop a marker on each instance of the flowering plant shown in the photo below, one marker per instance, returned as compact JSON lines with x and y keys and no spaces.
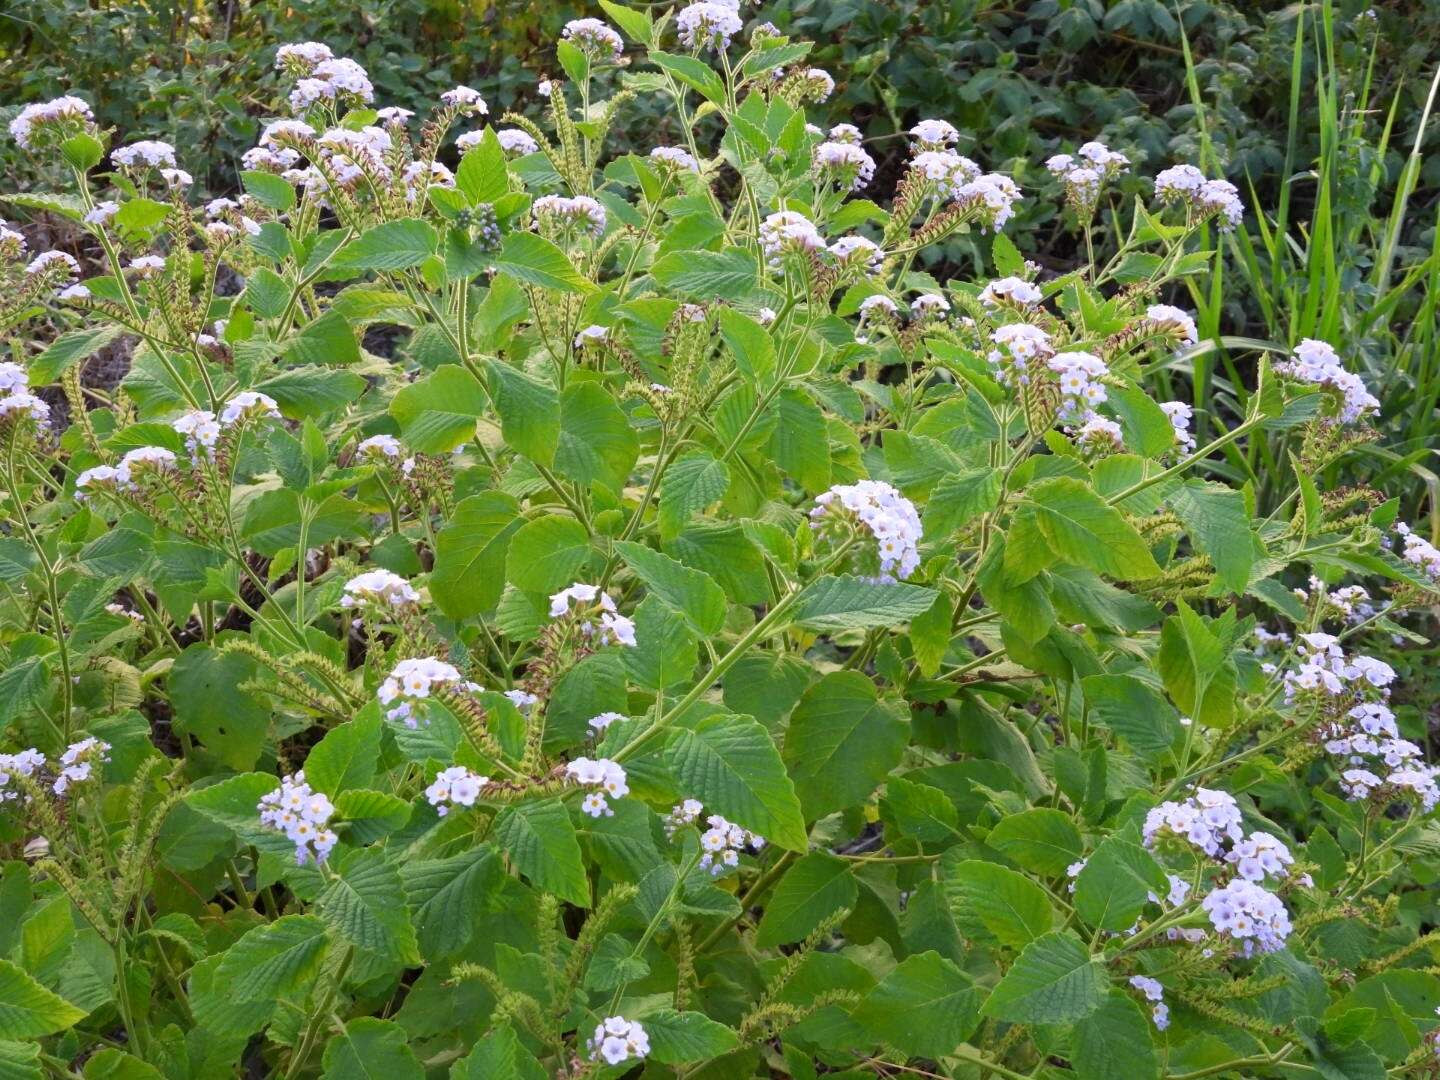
{"x":706,"y":644}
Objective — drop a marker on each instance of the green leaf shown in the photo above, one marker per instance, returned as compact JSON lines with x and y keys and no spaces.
{"x":449,"y":895}
{"x":370,"y":1049}
{"x":1218,"y":522}
{"x":365,"y":904}
{"x":69,"y":349}
{"x":1133,"y":710}
{"x":751,"y":344}
{"x":814,"y":888}
{"x":614,"y":964}
{"x":800,"y":442}
{"x":708,"y":276}
{"x":112,"y":1064}
{"x":1083,"y":530}
{"x":691,"y":594}
{"x":20,"y":1061}
{"x":920,"y":811}
{"x":1053,"y":981}
{"x":438,"y":413}
{"x":636,"y":25}
{"x":346,"y":756}
{"x":730,"y":765}
{"x":499,"y":1056}
{"x":849,"y":602}
{"x":470,"y":553}
{"x":312,"y":391}
{"x":529,"y":412}
{"x":1005,"y":902}
{"x":1043,"y":840}
{"x":209,"y":705}
{"x":82,"y":151}
{"x":391,"y":245}
{"x":28,"y":1010}
{"x":1115,"y":1040}
{"x":692,"y":72}
{"x":546,"y":554}
{"x":534,"y":260}
{"x":326,"y":341}
{"x":1147,"y":430}
{"x":272,"y":191}
{"x":481,"y":176}
{"x":597,"y":443}
{"x":273,"y":960}
{"x":541,"y":840}
{"x":690,"y":484}
{"x":1116,"y":882}
{"x":680,"y":1037}
{"x":925,"y":1007}
{"x":843,"y":740}
{"x":959,"y":499}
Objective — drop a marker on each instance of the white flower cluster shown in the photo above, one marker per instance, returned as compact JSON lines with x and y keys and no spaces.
{"x":58,"y":268}
{"x":599,"y":723}
{"x":1206,"y":819}
{"x":1016,"y":345}
{"x":600,"y":773}
{"x":1318,"y":364}
{"x":334,"y":79}
{"x":66,"y":115}
{"x":707,"y":25}
{"x":122,"y":477}
{"x":674,"y":157}
{"x":514,"y":141}
{"x":787,"y":232}
{"x":565,"y":212}
{"x":996,"y":194}
{"x":468,"y":101}
{"x":144,"y":154}
{"x":1204,"y":198}
{"x":379,"y":587}
{"x":1081,"y":385}
{"x":1351,"y":603}
{"x":846,"y":163}
{"x":591,"y":335}
{"x":857,"y":252}
{"x":722,"y":842}
{"x":1180,"y":415}
{"x":302,"y":814}
{"x":948,"y":171}
{"x":886,"y":514}
{"x":24,"y":404}
{"x":1154,"y":993}
{"x":380,"y":447}
{"x":200,"y":428}
{"x":25,"y":763}
{"x":1418,"y":551}
{"x":457,"y":785}
{"x":249,"y":405}
{"x":933,"y":135}
{"x":1014,"y":291}
{"x":1325,"y":668}
{"x":1099,"y":435}
{"x":302,"y":55}
{"x":929,"y":306}
{"x":618,"y":1040}
{"x":1260,"y":856}
{"x":1245,"y":912}
{"x":612,"y":627}
{"x":686,"y":812}
{"x":593,"y":36}
{"x":412,"y":680}
{"x":13,"y":377}
{"x":78,"y":762}
{"x":1370,"y":744}
{"x":1173,"y":321}
{"x":1085,"y":172}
